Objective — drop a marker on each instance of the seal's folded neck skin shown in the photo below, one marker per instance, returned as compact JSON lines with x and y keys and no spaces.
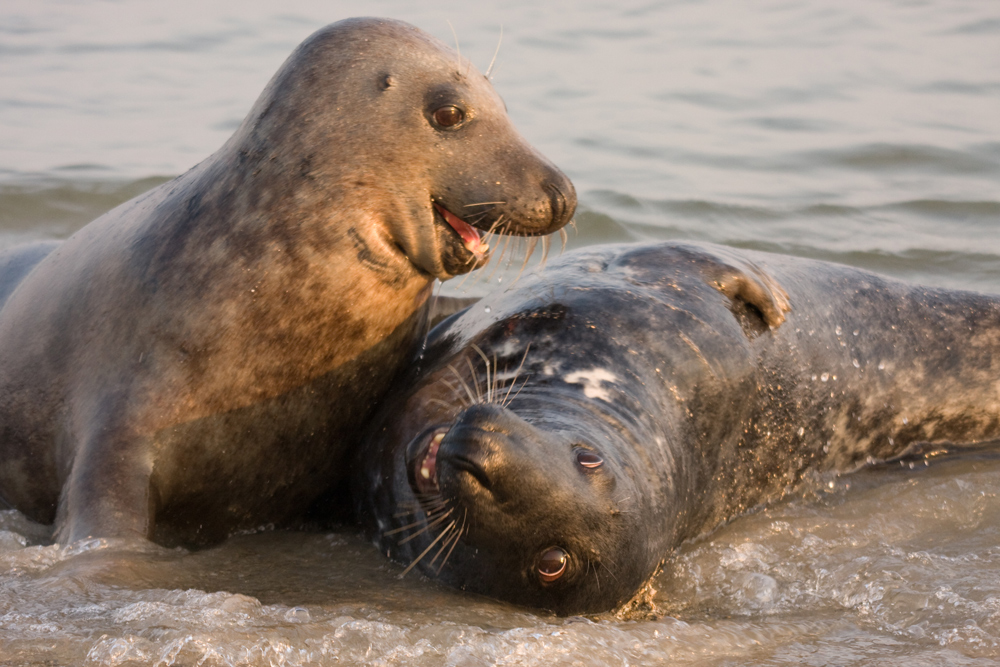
{"x":557,"y":445}
{"x":171,"y":368}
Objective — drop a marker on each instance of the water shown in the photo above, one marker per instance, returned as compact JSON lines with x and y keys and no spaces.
{"x":864,"y":133}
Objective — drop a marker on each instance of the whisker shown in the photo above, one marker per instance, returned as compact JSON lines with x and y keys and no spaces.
{"x":523,"y":385}
{"x":486,"y":203}
{"x":422,"y":554}
{"x":431,"y":509}
{"x":506,"y":398}
{"x":609,"y":570}
{"x":472,"y":399}
{"x":495,"y":388}
{"x":458,"y":51}
{"x":448,"y":406}
{"x":444,"y":545}
{"x":427,"y":527}
{"x":489,"y":386}
{"x":454,"y":542}
{"x":495,"y":53}
{"x":433,"y":504}
{"x":402,"y":528}
{"x":475,"y":380}
{"x":532,"y":243}
{"x":496,"y":223}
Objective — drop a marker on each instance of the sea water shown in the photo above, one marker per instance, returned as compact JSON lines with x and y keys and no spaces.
{"x":862,"y":133}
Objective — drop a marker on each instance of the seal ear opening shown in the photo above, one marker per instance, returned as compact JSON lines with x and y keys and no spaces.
{"x":749,"y":316}
{"x":757,"y":300}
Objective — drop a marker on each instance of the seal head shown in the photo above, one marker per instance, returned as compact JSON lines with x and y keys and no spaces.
{"x":398,"y":126}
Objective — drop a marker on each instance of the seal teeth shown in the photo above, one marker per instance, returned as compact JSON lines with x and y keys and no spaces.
{"x":428,"y":467}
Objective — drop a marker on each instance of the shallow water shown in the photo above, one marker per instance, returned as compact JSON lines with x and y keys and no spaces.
{"x":864,"y":133}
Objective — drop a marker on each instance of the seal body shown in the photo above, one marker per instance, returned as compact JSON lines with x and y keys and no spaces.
{"x":168,"y":372}
{"x":565,"y":435}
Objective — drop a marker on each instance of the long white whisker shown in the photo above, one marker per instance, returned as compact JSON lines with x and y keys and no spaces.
{"x":506,"y":398}
{"x":458,"y":51}
{"x":454,"y":543}
{"x":472,"y":399}
{"x":489,"y":387}
{"x":444,"y":545}
{"x":423,"y":553}
{"x":427,"y":527}
{"x":495,"y":53}
{"x":475,"y":380}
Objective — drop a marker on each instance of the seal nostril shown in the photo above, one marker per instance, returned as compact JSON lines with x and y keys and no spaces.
{"x":552,"y":565}
{"x":561,"y":209}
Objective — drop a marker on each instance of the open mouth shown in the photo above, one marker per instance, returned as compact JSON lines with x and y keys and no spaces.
{"x":469,"y":234}
{"x":423,"y":460}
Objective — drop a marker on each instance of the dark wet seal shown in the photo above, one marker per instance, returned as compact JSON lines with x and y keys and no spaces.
{"x":198,"y":360}
{"x":563,"y":437}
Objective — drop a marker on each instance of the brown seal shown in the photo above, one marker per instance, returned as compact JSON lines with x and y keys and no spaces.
{"x":168,"y":371}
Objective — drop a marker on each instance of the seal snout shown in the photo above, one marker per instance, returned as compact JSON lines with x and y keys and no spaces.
{"x":562,"y":200}
{"x":490,"y":455}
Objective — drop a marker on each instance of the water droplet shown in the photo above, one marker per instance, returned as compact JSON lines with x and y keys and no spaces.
{"x":824,"y":377}
{"x":814,"y":377}
{"x":857,"y":331}
{"x":881,"y":365}
{"x":802,"y":431}
{"x":856,"y":363}
{"x":837,"y":330}
{"x":488,"y":309}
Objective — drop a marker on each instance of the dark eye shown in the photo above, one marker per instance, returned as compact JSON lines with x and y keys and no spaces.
{"x":552,"y":565}
{"x":449,"y":116}
{"x":588,"y":459}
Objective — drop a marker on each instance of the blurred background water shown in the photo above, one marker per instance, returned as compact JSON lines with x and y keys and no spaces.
{"x":866,"y":133}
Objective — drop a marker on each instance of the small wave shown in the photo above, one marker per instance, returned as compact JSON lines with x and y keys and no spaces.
{"x":56,"y":204}
{"x":982,"y":27}
{"x":888,"y":157}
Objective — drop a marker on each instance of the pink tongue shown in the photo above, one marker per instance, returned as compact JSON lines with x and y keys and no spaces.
{"x":469,"y":234}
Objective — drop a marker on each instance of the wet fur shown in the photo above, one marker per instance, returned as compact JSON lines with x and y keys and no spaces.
{"x":199,"y":359}
{"x":735,"y":374}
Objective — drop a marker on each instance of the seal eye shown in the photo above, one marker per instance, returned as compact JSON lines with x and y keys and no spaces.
{"x":449,"y":116}
{"x":588,"y":459}
{"x":552,"y":565}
